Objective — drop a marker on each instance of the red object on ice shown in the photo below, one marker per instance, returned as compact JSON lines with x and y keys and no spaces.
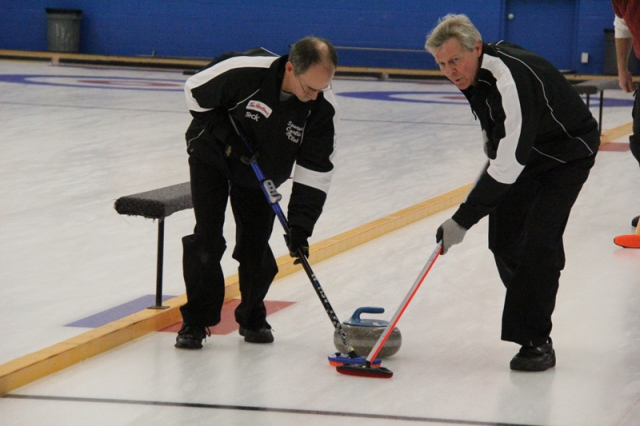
{"x":365,"y":371}
{"x":629,"y":241}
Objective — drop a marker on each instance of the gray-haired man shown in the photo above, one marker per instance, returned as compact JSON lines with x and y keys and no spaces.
{"x":541,"y":141}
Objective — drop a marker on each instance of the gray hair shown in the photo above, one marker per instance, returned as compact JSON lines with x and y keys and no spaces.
{"x":311,"y":51}
{"x":456,"y":26}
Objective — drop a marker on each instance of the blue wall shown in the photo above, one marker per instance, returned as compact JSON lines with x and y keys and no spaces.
{"x":206,"y":28}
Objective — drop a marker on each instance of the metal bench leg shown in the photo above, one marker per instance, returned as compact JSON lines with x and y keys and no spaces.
{"x":600,"y":114}
{"x":158,"y":304}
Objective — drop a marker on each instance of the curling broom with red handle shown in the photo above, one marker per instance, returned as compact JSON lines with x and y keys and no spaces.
{"x":368,"y":370}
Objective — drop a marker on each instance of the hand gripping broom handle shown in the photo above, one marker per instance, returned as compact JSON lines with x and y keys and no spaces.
{"x":396,"y":317}
{"x":273,"y":197}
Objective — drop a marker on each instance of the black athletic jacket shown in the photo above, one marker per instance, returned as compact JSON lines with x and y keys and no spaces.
{"x":248,"y":88}
{"x":532,"y":119}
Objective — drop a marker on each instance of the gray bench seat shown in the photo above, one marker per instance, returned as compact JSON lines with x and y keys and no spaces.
{"x":157,"y":204}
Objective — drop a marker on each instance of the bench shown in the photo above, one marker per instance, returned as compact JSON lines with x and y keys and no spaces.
{"x":593,"y":87}
{"x":157,"y":204}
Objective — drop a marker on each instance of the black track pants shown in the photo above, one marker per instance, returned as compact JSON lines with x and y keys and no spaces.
{"x":203,"y":250}
{"x":525,"y":236}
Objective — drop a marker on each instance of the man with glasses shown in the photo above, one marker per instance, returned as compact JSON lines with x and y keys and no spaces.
{"x":285,"y":109}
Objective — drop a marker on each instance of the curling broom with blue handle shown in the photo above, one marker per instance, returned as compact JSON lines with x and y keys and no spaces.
{"x":273,"y":197}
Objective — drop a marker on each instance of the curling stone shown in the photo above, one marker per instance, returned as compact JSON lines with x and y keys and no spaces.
{"x":364,"y":333}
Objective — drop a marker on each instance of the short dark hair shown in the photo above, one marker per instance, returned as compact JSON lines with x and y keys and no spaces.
{"x":310,"y":51}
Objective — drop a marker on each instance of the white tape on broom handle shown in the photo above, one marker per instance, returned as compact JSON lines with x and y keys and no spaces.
{"x":387,"y":331}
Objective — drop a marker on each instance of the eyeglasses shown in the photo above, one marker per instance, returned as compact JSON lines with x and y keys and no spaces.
{"x":310,"y":91}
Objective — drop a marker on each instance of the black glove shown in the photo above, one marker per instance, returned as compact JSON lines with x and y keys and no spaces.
{"x":450,"y":233}
{"x":297,"y":239}
{"x":223,"y":131}
{"x":235,"y":147}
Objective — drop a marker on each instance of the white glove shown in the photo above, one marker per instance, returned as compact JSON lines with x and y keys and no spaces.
{"x":450,"y":233}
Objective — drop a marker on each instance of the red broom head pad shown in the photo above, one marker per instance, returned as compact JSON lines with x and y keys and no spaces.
{"x":628,"y":241}
{"x":364,"y":371}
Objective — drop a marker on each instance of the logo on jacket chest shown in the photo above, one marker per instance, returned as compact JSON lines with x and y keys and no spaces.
{"x":260,"y":107}
{"x":293,"y":132}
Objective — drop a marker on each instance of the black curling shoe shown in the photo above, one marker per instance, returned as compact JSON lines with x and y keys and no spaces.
{"x":191,"y":336}
{"x":534,"y":358}
{"x":259,"y":335}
